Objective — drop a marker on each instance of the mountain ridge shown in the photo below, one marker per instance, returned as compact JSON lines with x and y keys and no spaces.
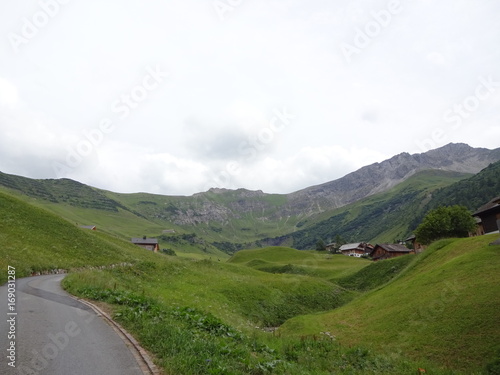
{"x":245,"y":216}
{"x":380,"y":177}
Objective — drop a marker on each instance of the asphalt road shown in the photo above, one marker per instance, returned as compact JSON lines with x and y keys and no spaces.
{"x":57,"y":335}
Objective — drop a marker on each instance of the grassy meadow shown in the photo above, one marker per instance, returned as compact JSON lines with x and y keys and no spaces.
{"x":277,"y":310}
{"x":35,"y":240}
{"x":444,"y":306}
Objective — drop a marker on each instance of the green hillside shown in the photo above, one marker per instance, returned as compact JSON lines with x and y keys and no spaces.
{"x":444,"y":306}
{"x":383,"y":217}
{"x":239,"y":219}
{"x":292,"y":261}
{"x":336,"y":314}
{"x":471,"y":192}
{"x":35,"y":240}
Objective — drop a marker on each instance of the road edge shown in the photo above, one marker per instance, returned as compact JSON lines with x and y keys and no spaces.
{"x":142,"y":357}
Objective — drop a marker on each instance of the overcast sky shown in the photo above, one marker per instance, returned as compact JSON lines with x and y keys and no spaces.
{"x":174,"y":97}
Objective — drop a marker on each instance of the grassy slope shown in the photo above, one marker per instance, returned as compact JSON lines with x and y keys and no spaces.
{"x":34,"y":239}
{"x":287,"y":260}
{"x":445,"y":307}
{"x":243,"y":297}
{"x":382,"y":217}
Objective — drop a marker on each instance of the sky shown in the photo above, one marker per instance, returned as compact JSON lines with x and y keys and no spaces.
{"x":175,"y":97}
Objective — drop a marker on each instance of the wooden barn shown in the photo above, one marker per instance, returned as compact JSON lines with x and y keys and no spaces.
{"x":147,"y":243}
{"x":488,"y":217}
{"x":386,"y":251}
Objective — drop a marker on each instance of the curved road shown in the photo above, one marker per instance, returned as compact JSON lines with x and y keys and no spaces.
{"x":57,"y":335}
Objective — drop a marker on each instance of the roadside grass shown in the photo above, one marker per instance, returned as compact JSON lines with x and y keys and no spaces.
{"x":445,"y":307}
{"x":201,"y":317}
{"x":239,"y":295}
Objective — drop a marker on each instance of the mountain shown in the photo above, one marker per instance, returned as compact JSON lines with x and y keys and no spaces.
{"x":393,"y":215}
{"x":382,"y":217}
{"x":233,"y":219}
{"x":380,"y":177}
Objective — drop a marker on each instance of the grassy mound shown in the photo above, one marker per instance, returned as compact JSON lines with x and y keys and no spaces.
{"x":277,"y":259}
{"x":445,"y":307}
{"x":376,"y":274}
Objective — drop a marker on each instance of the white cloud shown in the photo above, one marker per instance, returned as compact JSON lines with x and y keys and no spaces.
{"x":9,"y":94}
{"x":227,"y":78}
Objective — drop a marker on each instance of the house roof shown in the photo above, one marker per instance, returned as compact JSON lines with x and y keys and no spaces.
{"x":494,"y":203}
{"x":147,"y":241}
{"x":394,"y":248}
{"x":350,"y":246}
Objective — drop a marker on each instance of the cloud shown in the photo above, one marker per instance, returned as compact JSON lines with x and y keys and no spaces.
{"x":209,"y":122}
{"x":9,"y":93}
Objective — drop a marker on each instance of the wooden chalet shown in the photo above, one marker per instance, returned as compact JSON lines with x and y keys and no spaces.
{"x":147,"y":243}
{"x":488,"y":217}
{"x":386,"y":251}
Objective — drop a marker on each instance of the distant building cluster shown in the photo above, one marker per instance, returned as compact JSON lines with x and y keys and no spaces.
{"x":487,"y":219}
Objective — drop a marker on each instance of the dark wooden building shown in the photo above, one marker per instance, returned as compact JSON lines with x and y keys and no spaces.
{"x":147,"y":243}
{"x":386,"y":251}
{"x":488,"y":217}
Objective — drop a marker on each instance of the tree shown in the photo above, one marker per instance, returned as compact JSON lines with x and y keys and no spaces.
{"x":445,"y":222}
{"x":320,"y":245}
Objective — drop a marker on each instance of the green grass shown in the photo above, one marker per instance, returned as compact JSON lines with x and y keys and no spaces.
{"x":443,"y":307}
{"x":211,"y":317}
{"x":35,"y":240}
{"x":376,"y":274}
{"x":203,"y":317}
{"x":280,"y":259}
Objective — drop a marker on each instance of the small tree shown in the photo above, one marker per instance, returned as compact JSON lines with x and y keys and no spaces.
{"x":445,"y":222}
{"x":320,"y":245}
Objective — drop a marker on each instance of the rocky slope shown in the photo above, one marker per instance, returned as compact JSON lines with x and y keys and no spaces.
{"x":380,"y":177}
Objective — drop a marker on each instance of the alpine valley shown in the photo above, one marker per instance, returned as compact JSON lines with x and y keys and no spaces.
{"x":382,"y":202}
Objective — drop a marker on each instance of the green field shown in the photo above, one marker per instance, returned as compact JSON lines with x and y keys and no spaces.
{"x":444,"y":306}
{"x":35,"y":240}
{"x":291,"y":261}
{"x":277,"y":310}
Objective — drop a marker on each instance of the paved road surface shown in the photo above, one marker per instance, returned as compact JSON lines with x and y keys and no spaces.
{"x":57,"y":335}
